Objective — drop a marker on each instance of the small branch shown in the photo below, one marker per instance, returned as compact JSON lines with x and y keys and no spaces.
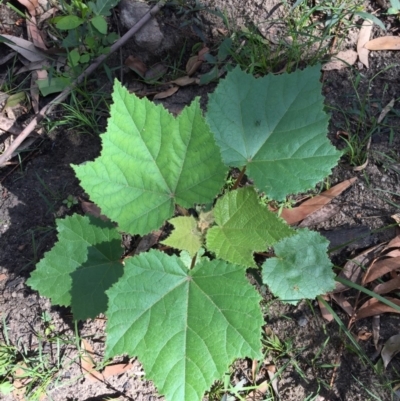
{"x":64,"y":94}
{"x":239,"y":178}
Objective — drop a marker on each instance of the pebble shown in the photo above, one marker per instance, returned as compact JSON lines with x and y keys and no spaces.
{"x":150,"y":36}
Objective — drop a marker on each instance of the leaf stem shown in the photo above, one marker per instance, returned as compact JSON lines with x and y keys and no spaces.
{"x":193,"y":261}
{"x":239,"y":178}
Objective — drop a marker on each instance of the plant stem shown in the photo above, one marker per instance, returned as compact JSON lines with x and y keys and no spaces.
{"x":63,"y":95}
{"x":239,"y":178}
{"x":193,"y":261}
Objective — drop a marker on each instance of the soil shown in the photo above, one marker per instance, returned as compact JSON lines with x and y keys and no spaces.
{"x":32,"y":194}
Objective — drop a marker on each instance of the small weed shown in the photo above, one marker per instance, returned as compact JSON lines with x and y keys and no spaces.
{"x":70,"y":201}
{"x":25,"y":372}
{"x":84,"y":113}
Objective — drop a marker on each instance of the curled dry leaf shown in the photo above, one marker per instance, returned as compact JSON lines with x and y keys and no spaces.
{"x":324,"y":311}
{"x":25,"y":48}
{"x":342,"y":60}
{"x":343,"y":303}
{"x":34,"y":34}
{"x":352,"y":270}
{"x":376,"y":328}
{"x":167,"y":93}
{"x":385,"y":110}
{"x":390,"y":349}
{"x":363,"y":38}
{"x":362,"y":167}
{"x":299,"y":213}
{"x":32,"y":6}
{"x":374,"y":307}
{"x":363,"y":335}
{"x":185,"y":81}
{"x":136,"y":65}
{"x":193,"y":65}
{"x":384,"y":43}
{"x":388,"y":286}
{"x":380,"y":268}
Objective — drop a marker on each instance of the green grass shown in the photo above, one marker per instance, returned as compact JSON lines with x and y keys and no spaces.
{"x":29,"y":371}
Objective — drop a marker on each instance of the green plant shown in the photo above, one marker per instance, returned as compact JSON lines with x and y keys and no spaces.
{"x":28,"y":372}
{"x":70,"y":201}
{"x":188,"y":316}
{"x":86,"y":38}
{"x":394,"y":8}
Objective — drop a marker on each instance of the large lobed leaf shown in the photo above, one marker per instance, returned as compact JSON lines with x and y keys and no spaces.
{"x":244,"y":226}
{"x":81,"y":266}
{"x":275,"y":126}
{"x":186,"y":327}
{"x":151,"y":160}
{"x":302,"y":268}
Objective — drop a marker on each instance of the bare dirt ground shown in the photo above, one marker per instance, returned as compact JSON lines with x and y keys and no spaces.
{"x":32,"y":195}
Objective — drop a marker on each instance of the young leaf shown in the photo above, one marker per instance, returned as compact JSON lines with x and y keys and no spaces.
{"x":301,"y":269}
{"x":69,"y":22}
{"x":185,"y":236}
{"x":100,"y":24}
{"x":275,"y":126}
{"x":244,"y":226}
{"x":150,"y":160}
{"x":84,"y":262}
{"x":102,"y":7}
{"x":186,"y":327}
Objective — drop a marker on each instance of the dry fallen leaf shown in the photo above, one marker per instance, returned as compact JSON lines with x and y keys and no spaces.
{"x":388,"y":286}
{"x":299,"y":213}
{"x":352,"y":270}
{"x":186,"y":80}
{"x":390,"y":349}
{"x":385,"y":110}
{"x":25,"y":48}
{"x":31,"y":5}
{"x":363,"y":335}
{"x":88,"y":365}
{"x":167,"y":93}
{"x":148,"y":241}
{"x":92,"y":209}
{"x":342,"y":60}
{"x":324,"y":311}
{"x":343,"y":303}
{"x":363,"y":38}
{"x":321,"y":215}
{"x":376,"y":328}
{"x":380,"y":268}
{"x":136,"y":65}
{"x":384,"y":43}
{"x":193,"y":65}
{"x":374,"y":307}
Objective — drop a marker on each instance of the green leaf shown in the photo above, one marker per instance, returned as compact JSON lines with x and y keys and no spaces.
{"x":84,"y":262}
{"x":185,"y":236}
{"x":301,"y":269}
{"x":275,"y":126}
{"x":69,"y":22}
{"x":151,"y":160}
{"x":244,"y":226}
{"x":371,"y":17}
{"x":100,"y":24}
{"x":48,"y":86}
{"x":186,"y":327}
{"x":102,"y":7}
{"x":74,"y":57}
